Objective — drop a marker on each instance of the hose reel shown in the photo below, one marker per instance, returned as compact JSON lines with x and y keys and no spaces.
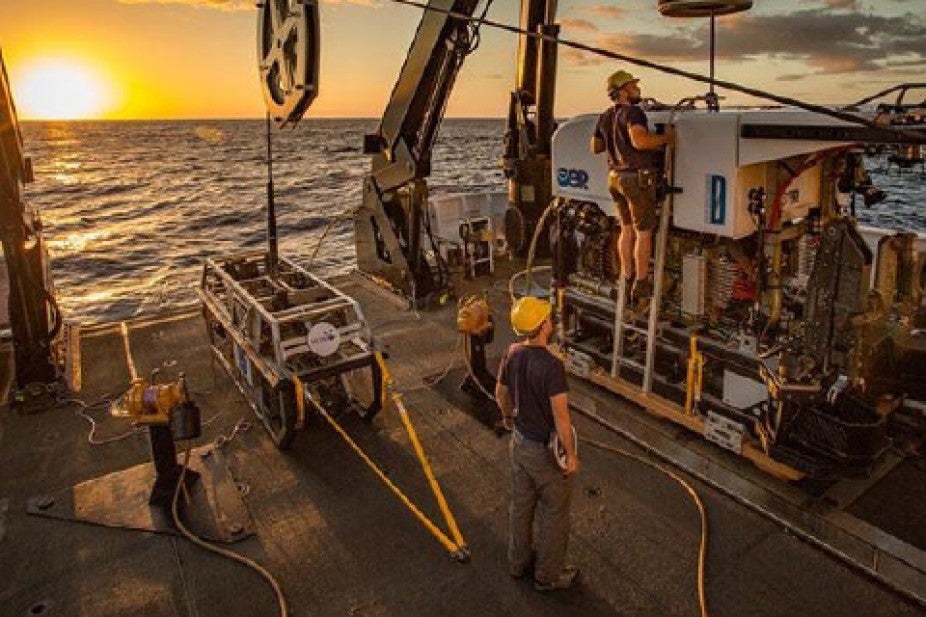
{"x":288,"y":56}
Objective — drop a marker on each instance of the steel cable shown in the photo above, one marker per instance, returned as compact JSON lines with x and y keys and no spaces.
{"x":915,"y":136}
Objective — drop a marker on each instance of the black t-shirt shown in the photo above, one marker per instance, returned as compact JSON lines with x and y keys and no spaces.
{"x":613,"y":126}
{"x":532,"y":375}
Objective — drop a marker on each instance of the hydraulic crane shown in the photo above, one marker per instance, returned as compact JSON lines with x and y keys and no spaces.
{"x":392,"y":234}
{"x":34,"y":316}
{"x":531,"y":123}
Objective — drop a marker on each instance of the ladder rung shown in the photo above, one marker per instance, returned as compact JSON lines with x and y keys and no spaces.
{"x":636,"y":329}
{"x":631,"y":363}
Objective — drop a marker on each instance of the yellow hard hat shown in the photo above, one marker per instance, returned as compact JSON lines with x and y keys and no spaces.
{"x":528,"y":313}
{"x":618,"y":79}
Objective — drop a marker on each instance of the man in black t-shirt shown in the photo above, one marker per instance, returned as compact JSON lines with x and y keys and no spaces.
{"x":634,"y":165}
{"x":532,"y":393}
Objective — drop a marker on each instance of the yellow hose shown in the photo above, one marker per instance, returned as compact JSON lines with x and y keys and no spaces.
{"x":702,"y":551}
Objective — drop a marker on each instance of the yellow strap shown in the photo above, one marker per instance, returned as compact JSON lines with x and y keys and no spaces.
{"x":299,"y":388}
{"x":386,"y":375}
{"x":441,"y":537}
{"x":419,"y":451}
{"x":429,"y":474}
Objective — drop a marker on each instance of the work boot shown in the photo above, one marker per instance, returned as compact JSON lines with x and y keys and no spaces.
{"x":641,"y":294}
{"x":564,"y":581}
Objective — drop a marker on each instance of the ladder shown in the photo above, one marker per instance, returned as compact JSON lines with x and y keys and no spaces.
{"x":621,"y":326}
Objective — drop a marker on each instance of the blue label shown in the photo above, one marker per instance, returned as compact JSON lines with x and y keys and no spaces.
{"x":716,"y":199}
{"x":572,"y":178}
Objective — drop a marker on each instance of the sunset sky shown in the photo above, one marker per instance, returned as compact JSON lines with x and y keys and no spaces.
{"x":126,"y":59}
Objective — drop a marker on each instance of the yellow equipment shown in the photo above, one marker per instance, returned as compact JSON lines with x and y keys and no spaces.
{"x":150,"y":404}
{"x":473,"y":316}
{"x":528,"y":313}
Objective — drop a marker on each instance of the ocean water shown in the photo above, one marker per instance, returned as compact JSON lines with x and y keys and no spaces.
{"x":130,"y":209}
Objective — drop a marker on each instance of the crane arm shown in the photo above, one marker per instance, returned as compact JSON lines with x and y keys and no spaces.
{"x":390,"y":223}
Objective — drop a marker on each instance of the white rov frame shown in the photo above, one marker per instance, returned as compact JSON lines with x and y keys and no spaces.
{"x":316,"y":341}
{"x":248,"y":316}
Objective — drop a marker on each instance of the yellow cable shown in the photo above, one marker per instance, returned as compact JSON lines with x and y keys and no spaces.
{"x":454,"y":549}
{"x":281,"y":600}
{"x":702,"y":551}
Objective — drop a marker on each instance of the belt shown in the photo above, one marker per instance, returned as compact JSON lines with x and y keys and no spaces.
{"x":522,"y":438}
{"x":633,"y":172}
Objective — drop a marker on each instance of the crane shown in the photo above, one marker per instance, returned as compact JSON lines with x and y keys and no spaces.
{"x":392,"y":235}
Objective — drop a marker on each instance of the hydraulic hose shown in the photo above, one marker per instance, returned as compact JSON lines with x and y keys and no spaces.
{"x":689,"y":489}
{"x":189,"y":535}
{"x":531,"y":251}
{"x":702,"y":549}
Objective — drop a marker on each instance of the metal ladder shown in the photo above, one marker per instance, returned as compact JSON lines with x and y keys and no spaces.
{"x":620,"y":325}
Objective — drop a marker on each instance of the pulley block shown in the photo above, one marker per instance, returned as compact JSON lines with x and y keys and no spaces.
{"x":702,"y":8}
{"x":288,"y":56}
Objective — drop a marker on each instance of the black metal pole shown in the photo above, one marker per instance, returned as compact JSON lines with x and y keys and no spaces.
{"x":272,"y":255}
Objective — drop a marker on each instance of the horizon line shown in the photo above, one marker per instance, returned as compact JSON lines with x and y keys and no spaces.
{"x":233,"y":118}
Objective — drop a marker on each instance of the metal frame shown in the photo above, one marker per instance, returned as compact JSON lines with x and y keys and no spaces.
{"x":275,"y":342}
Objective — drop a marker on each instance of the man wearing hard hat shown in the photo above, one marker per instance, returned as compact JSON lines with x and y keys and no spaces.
{"x":532,"y":394}
{"x":634,"y":163}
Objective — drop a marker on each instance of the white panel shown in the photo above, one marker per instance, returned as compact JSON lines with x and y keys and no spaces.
{"x":577,"y":173}
{"x":714,"y":166}
{"x":706,"y":171}
{"x":448,"y":211}
{"x":742,"y":392}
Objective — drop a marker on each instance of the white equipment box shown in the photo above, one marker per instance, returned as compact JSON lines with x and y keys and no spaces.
{"x":715,"y":166}
{"x":448,"y":212}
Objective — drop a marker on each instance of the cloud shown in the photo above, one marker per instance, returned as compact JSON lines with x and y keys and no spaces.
{"x":828,"y":42}
{"x":222,"y":5}
{"x":240,"y":5}
{"x":577,"y":57}
{"x":578,"y":24}
{"x":606,"y":10}
{"x":849,"y":5}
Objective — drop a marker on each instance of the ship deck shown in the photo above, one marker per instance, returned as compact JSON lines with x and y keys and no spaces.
{"x":340,"y":544}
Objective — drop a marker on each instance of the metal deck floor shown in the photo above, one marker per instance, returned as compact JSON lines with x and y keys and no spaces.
{"x":340,"y":544}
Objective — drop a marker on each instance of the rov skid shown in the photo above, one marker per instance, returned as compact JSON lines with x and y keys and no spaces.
{"x":287,"y":338}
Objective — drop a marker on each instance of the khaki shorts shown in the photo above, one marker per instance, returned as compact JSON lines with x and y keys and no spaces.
{"x":634,"y":195}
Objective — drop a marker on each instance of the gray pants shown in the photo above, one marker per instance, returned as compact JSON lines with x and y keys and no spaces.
{"x":537,"y":485}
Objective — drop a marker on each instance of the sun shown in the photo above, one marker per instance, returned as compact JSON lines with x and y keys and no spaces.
{"x":62,"y":90}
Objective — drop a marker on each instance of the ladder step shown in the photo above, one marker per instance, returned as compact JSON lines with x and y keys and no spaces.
{"x":637,"y":329}
{"x":630,"y":363}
